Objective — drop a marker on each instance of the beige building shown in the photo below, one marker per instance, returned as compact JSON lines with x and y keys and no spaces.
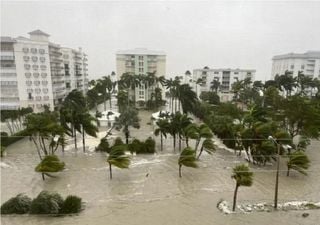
{"x":141,"y":61}
{"x":34,"y":72}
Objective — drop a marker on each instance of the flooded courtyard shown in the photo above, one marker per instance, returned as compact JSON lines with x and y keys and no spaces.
{"x":150,"y":191}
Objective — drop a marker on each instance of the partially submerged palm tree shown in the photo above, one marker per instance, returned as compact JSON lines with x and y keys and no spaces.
{"x":187,"y":158}
{"x":50,"y":164}
{"x":163,"y":129}
{"x":118,"y":158}
{"x":298,"y":161}
{"x":208,"y":146}
{"x":243,"y":177}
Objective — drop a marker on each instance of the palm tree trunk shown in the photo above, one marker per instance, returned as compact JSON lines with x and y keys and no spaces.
{"x":104,"y":103}
{"x":180,"y":166}
{"x":201,"y":150}
{"x":288,"y":172}
{"x":179,"y":144}
{"x":42,"y":174}
{"x":110,"y":171}
{"x":197,"y":145}
{"x":83,"y":140}
{"x":161,"y":142}
{"x":174,"y":142}
{"x":75,"y":139}
{"x":235,"y":198}
{"x":187,"y":141}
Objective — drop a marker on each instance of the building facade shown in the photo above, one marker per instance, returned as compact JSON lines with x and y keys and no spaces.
{"x":308,"y":63}
{"x":225,"y":77}
{"x":141,"y":61}
{"x":33,"y":72}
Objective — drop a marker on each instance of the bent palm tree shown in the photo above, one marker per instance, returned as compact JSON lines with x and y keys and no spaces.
{"x":243,"y":177}
{"x":49,"y":164}
{"x":187,"y":158}
{"x":118,"y":158}
{"x":208,"y":146}
{"x":298,"y":161}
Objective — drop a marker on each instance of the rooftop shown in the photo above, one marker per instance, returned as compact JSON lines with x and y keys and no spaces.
{"x":38,"y":32}
{"x":308,"y":54}
{"x":226,"y":69}
{"x":140,"y":51}
{"x":6,"y":39}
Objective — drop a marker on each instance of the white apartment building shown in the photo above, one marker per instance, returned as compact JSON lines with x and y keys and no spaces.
{"x":226,"y":77}
{"x":33,"y":72}
{"x":308,"y":63}
{"x":141,"y":61}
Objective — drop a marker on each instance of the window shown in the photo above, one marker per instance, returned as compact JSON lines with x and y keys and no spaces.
{"x":34,"y":58}
{"x":42,"y":59}
{"x":236,"y":72}
{"x":66,"y":56}
{"x":45,"y":90}
{"x":28,"y":82}
{"x":35,"y":75}
{"x":27,"y":66}
{"x":34,"y":50}
{"x":35,"y":67}
{"x":216,"y":72}
{"x":39,"y":106}
{"x":140,"y":63}
{"x":30,"y":96}
{"x":25,"y":50}
{"x":68,"y":85}
{"x":46,"y":98}
{"x":28,"y":75}
{"x":37,"y":90}
{"x":30,"y":90}
{"x":302,"y":67}
{"x":41,"y":51}
{"x":38,"y":98}
{"x":43,"y":75}
{"x":140,"y":69}
{"x":236,"y":78}
{"x":26,"y":58}
{"x":43,"y":67}
{"x":44,"y":82}
{"x":292,"y":67}
{"x":140,"y":57}
{"x":36,"y":82}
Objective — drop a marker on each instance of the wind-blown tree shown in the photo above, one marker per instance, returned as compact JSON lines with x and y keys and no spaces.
{"x":181,"y":121}
{"x":187,"y":97}
{"x":118,"y":158}
{"x":191,"y":132}
{"x":210,"y":97}
{"x":215,"y":85}
{"x":128,"y":118}
{"x":14,"y":119}
{"x":104,"y":86}
{"x":162,"y":129}
{"x":204,"y":131}
{"x":208,"y":146}
{"x":243,"y":177}
{"x":88,"y":127}
{"x":298,"y":161}
{"x":49,"y":164}
{"x":169,"y":84}
{"x":187,"y":158}
{"x":45,"y":132}
{"x":286,"y":82}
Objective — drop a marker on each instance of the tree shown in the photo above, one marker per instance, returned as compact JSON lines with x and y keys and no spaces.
{"x":298,"y":161}
{"x":243,"y":177}
{"x":187,"y":97}
{"x":187,"y":158}
{"x":215,"y":85}
{"x":129,"y":117}
{"x":210,"y":97}
{"x":208,"y":146}
{"x":163,"y":129}
{"x":118,"y":158}
{"x":50,"y":164}
{"x":88,"y":127}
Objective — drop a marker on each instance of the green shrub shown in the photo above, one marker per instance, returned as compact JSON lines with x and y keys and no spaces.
{"x":135,"y":146}
{"x":46,"y":203}
{"x":103,"y":146}
{"x":118,"y":141}
{"x":150,"y":145}
{"x":50,"y":163}
{"x":140,"y":147}
{"x":18,"y":205}
{"x":72,"y":204}
{"x":8,"y":140}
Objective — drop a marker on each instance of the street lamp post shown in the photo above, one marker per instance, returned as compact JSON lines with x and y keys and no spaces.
{"x":277,"y":173}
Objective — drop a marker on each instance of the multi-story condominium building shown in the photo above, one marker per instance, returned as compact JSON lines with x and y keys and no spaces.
{"x":308,"y":63}
{"x":226,"y":77}
{"x":141,"y":61}
{"x":33,"y":72}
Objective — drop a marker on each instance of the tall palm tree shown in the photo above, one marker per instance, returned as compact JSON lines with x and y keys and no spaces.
{"x":208,"y":146}
{"x":118,"y":158}
{"x":204,"y":131}
{"x":169,"y":84}
{"x":298,"y":161}
{"x":181,"y":121}
{"x":215,"y":84}
{"x":88,"y":127}
{"x":198,"y":81}
{"x":243,"y":177}
{"x":163,"y":129}
{"x":187,"y":97}
{"x":191,"y":131}
{"x":187,"y":158}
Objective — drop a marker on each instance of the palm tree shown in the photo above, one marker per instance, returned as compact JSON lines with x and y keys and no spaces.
{"x":129,"y":117}
{"x":118,"y":158}
{"x":215,"y":84}
{"x":191,"y":131}
{"x":88,"y":127}
{"x":187,"y":158}
{"x":49,"y":164}
{"x":208,"y":146}
{"x":298,"y":161}
{"x":243,"y":177}
{"x":187,"y":97}
{"x":204,"y":132}
{"x":181,"y":121}
{"x":163,"y":128}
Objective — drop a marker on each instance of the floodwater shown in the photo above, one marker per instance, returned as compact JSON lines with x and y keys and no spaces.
{"x":161,"y":197}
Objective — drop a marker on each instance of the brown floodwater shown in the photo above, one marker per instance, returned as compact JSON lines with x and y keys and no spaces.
{"x":161,"y":197}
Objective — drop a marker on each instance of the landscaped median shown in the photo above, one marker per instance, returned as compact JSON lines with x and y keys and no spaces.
{"x":224,"y":207}
{"x":48,"y":203}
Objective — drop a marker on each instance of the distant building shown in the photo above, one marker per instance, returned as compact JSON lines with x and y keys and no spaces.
{"x":308,"y":63}
{"x":226,"y":77}
{"x":35,"y":72}
{"x":141,"y":61}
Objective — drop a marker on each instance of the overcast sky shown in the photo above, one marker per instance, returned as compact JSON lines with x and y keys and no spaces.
{"x":220,"y":34}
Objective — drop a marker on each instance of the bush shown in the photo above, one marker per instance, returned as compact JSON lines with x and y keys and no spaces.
{"x":72,"y":204}
{"x":118,"y":141}
{"x":8,"y":140}
{"x":47,"y":203}
{"x":150,"y":145}
{"x":50,"y":163}
{"x":103,"y":146}
{"x":18,"y":205}
{"x":140,"y":147}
